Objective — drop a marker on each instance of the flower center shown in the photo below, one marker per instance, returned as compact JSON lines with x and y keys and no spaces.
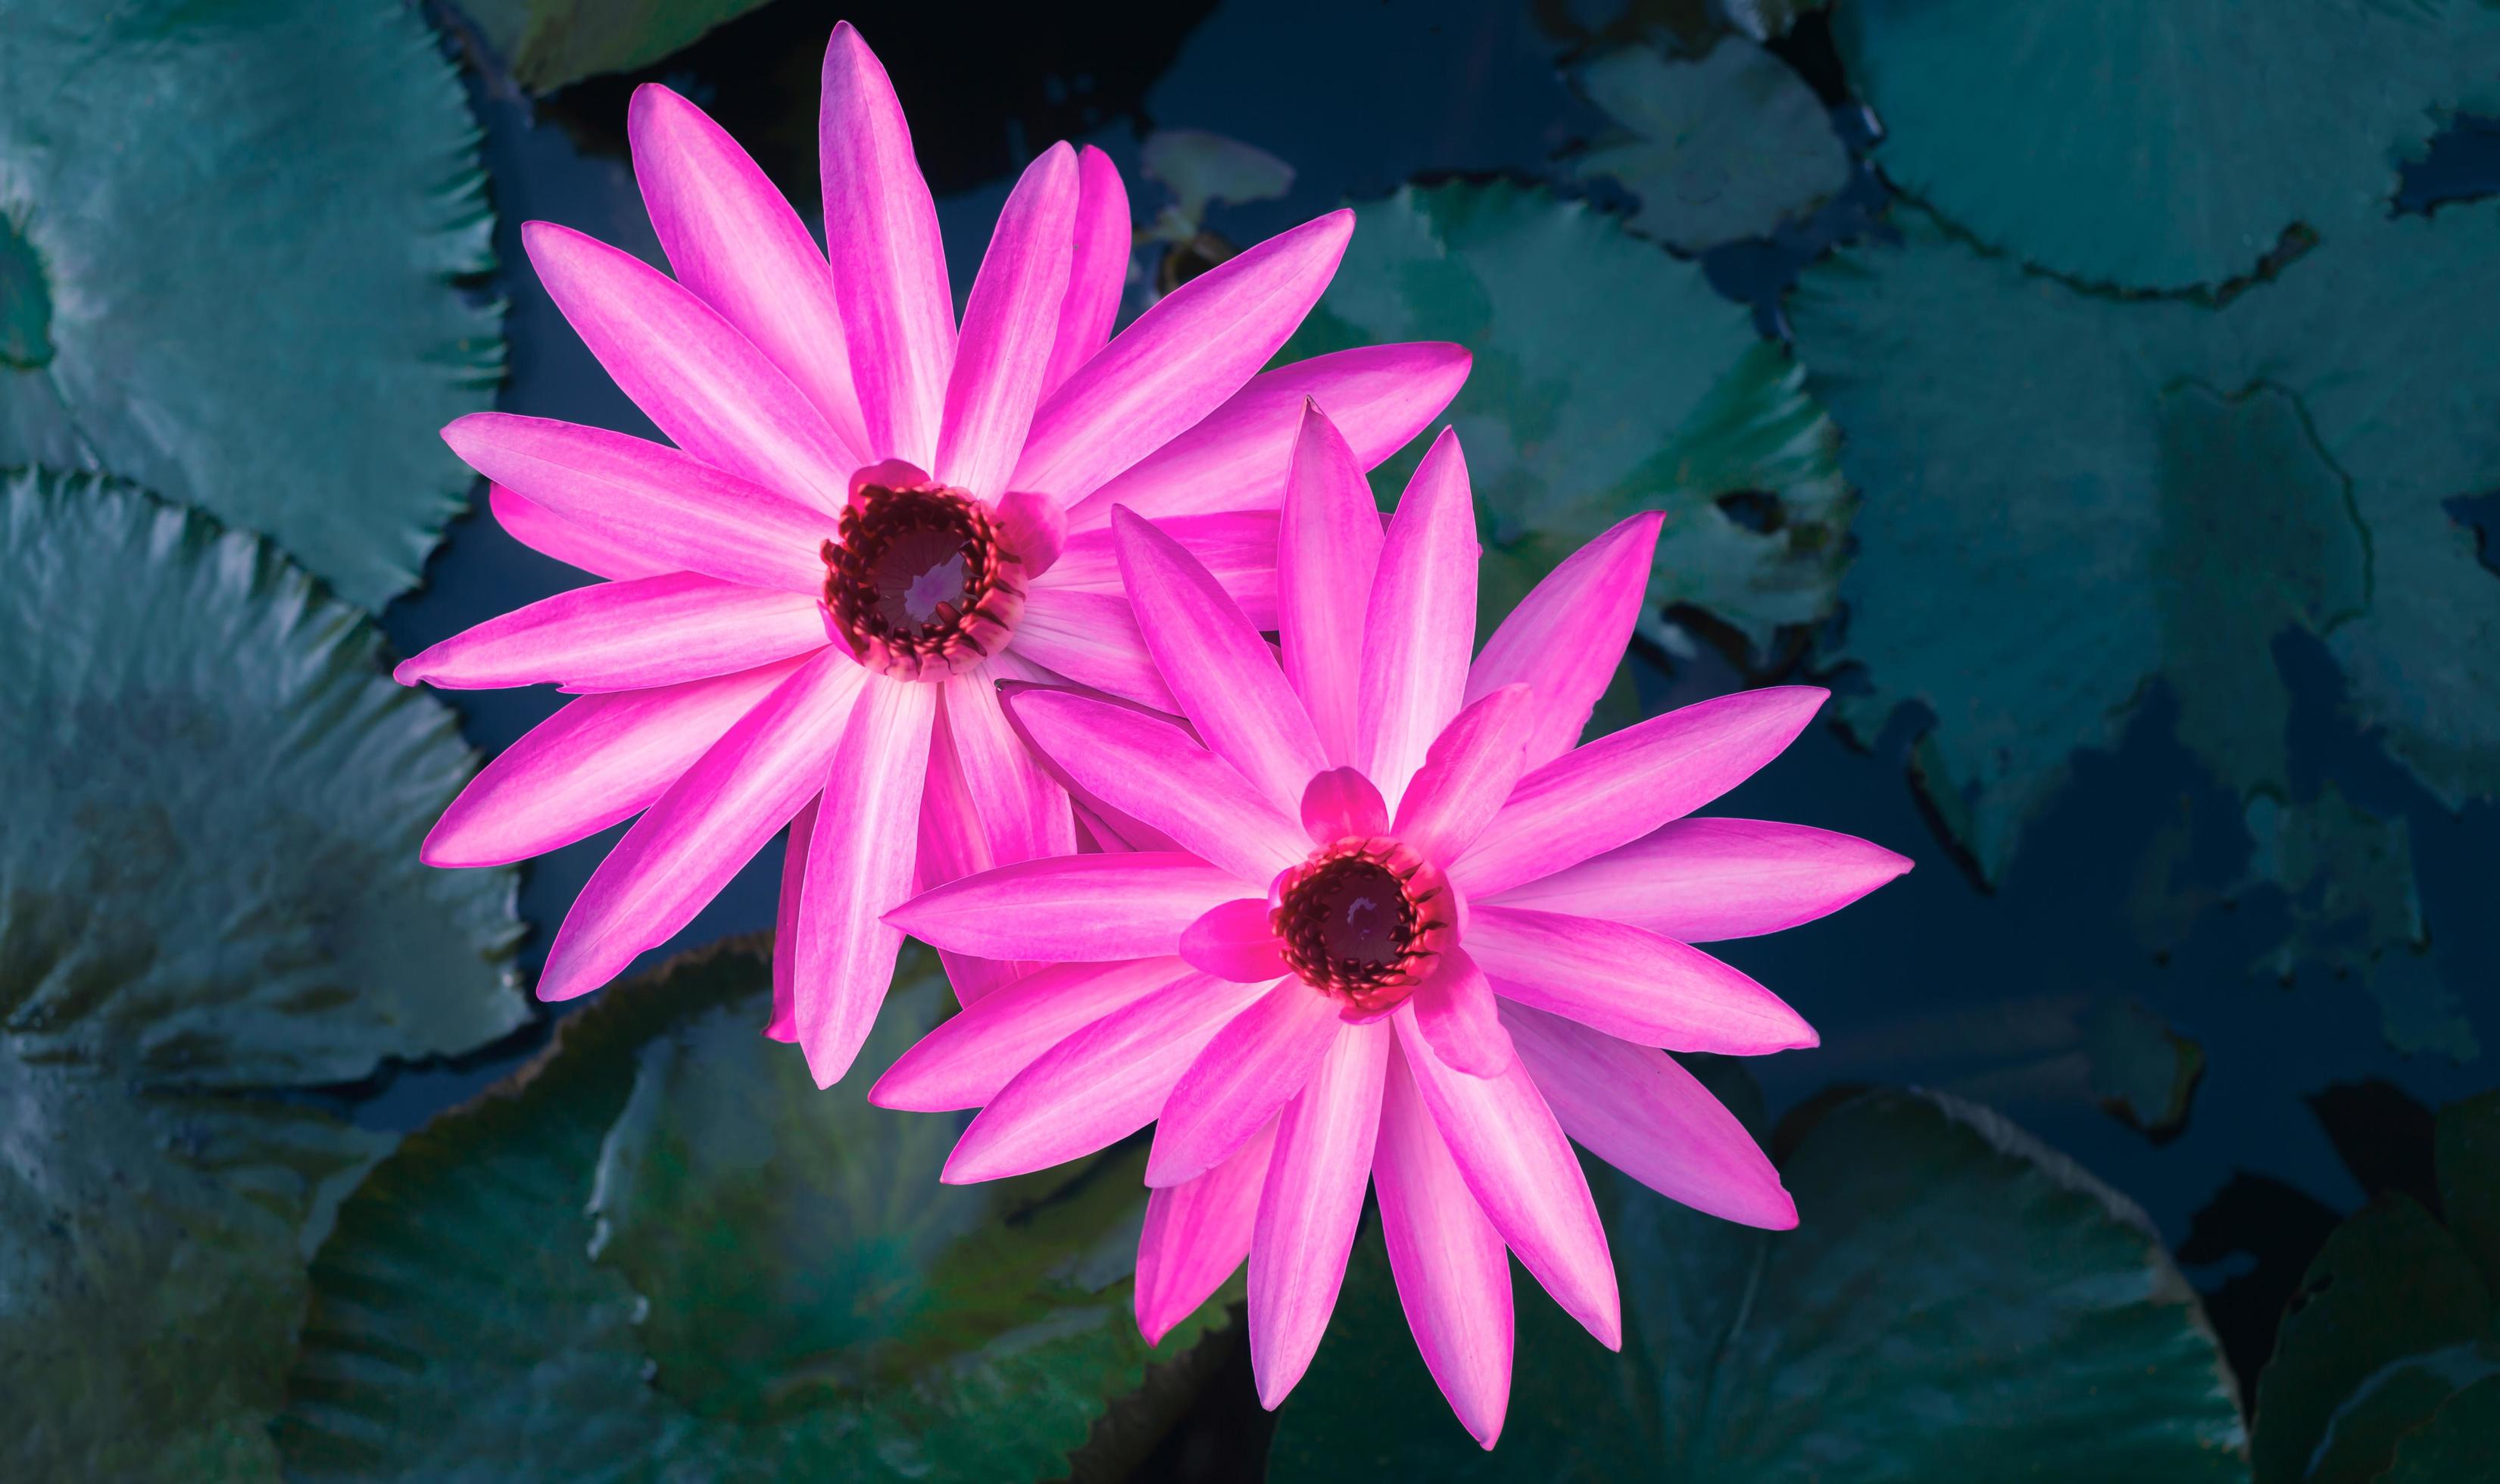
{"x":1362,"y":920}
{"x":919,"y":584}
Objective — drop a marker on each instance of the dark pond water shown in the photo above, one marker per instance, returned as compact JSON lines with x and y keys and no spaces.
{"x":1934,"y":980}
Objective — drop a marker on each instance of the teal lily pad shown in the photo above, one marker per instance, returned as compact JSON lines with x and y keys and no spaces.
{"x":2392,"y":1344}
{"x":2160,"y":143}
{"x":209,"y":890}
{"x":1609,"y":378}
{"x":2463,"y":1436}
{"x":660,"y":1253}
{"x":242,"y":227}
{"x":2142,"y":1072}
{"x":1719,"y":147}
{"x":2070,"y":499}
{"x":1766,"y":19}
{"x":1954,"y":1297}
{"x":552,"y":44}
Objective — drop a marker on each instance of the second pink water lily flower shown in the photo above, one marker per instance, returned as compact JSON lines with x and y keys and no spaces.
{"x":1384,"y":923}
{"x":869,"y":517}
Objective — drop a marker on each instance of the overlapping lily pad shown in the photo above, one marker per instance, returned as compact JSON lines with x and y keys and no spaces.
{"x":1719,"y":147}
{"x":1956,"y":1300}
{"x":2160,"y":143}
{"x":549,"y":44}
{"x":2386,"y":1365}
{"x":660,"y":1253}
{"x":1609,"y":378}
{"x":209,"y":889}
{"x":276,"y":346}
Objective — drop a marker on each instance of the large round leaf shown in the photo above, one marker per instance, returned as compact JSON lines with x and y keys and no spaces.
{"x":2390,"y":1348}
{"x":1955,"y":1301}
{"x":2159,"y":143}
{"x":245,"y":218}
{"x":550,"y":43}
{"x":1726,"y":146}
{"x":1609,"y":378}
{"x":208,"y":885}
{"x":661,"y":1252}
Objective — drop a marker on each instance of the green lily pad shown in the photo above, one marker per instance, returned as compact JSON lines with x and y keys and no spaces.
{"x":549,"y":43}
{"x":2462,"y":1436}
{"x":660,"y":1253}
{"x":1725,"y":147}
{"x":2142,"y":1072}
{"x":1609,"y":378}
{"x":245,"y":222}
{"x":2159,"y":143}
{"x":1954,"y":1297}
{"x":209,"y":889}
{"x":2394,"y":1333}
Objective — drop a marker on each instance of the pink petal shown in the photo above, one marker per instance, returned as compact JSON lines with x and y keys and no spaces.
{"x":986,"y":803}
{"x":601,"y":759}
{"x":706,"y":386}
{"x":1420,"y":624}
{"x":683,"y":512}
{"x":1620,"y":788}
{"x":860,"y":867}
{"x":1567,"y":636}
{"x":1097,"y":1086}
{"x":1701,"y":880}
{"x":1009,"y":322}
{"x":1629,"y":982}
{"x":1222,"y":674}
{"x":969,"y":1057}
{"x":626,"y":636}
{"x":1524,"y":1176}
{"x":1237,"y":546}
{"x":1469,"y":770}
{"x":1453,"y":1273}
{"x":889,"y":264}
{"x":734,"y":243}
{"x":1255,"y":1065}
{"x":784,"y":1024}
{"x":1635,"y":1108}
{"x":1091,"y":638}
{"x":1379,"y":396}
{"x":1098,"y":270}
{"x":1455,"y":1011}
{"x":1310,"y":1206}
{"x":1089,"y":908}
{"x":1035,"y":530}
{"x":1327,"y":549}
{"x":1233,"y":942}
{"x":550,"y":535}
{"x":1150,"y":769}
{"x":1127,"y":829}
{"x":1342,"y":802}
{"x":1196,"y":1234}
{"x":687,"y":846}
{"x":1179,"y":360}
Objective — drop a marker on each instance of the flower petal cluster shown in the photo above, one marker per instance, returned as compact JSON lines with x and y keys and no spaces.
{"x":1379,"y":920}
{"x":867,"y":515}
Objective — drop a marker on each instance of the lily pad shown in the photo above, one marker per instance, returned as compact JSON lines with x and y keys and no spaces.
{"x":1721,"y":147}
{"x":209,"y":889}
{"x":262,"y":319}
{"x":2389,"y":1348}
{"x":1609,"y":378}
{"x":1954,"y":1297}
{"x":2159,"y":143}
{"x":550,"y":44}
{"x":659,"y":1253}
{"x":1766,"y":19}
{"x":2142,"y":1072}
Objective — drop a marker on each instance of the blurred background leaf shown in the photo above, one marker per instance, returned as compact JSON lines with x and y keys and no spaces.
{"x":659,"y":1252}
{"x":209,"y":890}
{"x":549,"y":44}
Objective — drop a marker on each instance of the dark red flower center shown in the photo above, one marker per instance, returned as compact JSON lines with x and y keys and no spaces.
{"x":1364,"y":920}
{"x":919,"y":583}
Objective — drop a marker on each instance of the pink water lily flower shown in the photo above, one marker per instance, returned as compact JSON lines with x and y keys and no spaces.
{"x":870,"y":517}
{"x":1384,"y":922}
